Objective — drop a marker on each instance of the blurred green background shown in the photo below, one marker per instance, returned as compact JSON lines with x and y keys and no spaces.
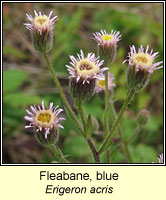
{"x":26,"y":79}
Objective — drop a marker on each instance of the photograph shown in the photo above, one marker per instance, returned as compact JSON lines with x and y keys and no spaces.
{"x":83,"y":83}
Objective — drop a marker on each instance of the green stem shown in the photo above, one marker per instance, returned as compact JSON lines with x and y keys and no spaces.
{"x":95,"y":153}
{"x":137,"y":130}
{"x":106,"y":143}
{"x":116,"y":149}
{"x":124,"y":142}
{"x":58,"y":153}
{"x":82,"y":113}
{"x":126,"y":151}
{"x":114,"y":116}
{"x":89,"y":141}
{"x":70,"y":111}
{"x":106,"y":124}
{"x":113,"y":113}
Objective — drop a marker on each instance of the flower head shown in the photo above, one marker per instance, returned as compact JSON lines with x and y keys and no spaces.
{"x":107,"y":39}
{"x":107,"y":43}
{"x":141,"y":66}
{"x":83,"y":74}
{"x":143,"y":61}
{"x":40,"y":23}
{"x":100,"y":84}
{"x":41,"y":27}
{"x":85,"y":68}
{"x":44,"y":120}
{"x":161,"y":158}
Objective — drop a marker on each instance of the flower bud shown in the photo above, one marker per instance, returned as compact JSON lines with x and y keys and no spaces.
{"x":108,"y":54}
{"x":82,"y":90}
{"x":143,"y":117}
{"x":107,"y":44}
{"x":45,"y":123}
{"x":83,"y":75}
{"x":44,"y":42}
{"x":52,"y":138}
{"x":137,"y":80}
{"x":41,"y":27}
{"x":140,"y":67}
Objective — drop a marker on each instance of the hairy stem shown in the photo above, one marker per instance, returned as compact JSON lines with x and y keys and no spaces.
{"x":137,"y":130}
{"x":106,"y":143}
{"x":68,"y":107}
{"x":89,"y":141}
{"x":58,"y":153}
{"x":70,"y":111}
{"x":106,"y":124}
{"x":124,"y":142}
{"x":95,"y":153}
{"x":82,"y":113}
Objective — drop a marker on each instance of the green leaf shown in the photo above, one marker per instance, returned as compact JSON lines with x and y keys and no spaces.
{"x":91,"y":106}
{"x":143,"y":153}
{"x":12,"y":79}
{"x":18,"y":99}
{"x":76,"y":146}
{"x":113,"y":152}
{"x":153,"y":124}
{"x":128,"y":127}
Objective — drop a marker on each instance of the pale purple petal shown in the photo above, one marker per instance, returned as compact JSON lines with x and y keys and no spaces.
{"x":38,"y":124}
{"x":143,"y":66}
{"x":50,"y":14}
{"x":51,"y":106}
{"x":43,"y":107}
{"x":28,"y":118}
{"x":33,"y":26}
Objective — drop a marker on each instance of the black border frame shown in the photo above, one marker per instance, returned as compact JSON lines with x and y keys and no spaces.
{"x":82,"y":164}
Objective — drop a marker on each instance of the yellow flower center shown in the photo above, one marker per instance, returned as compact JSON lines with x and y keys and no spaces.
{"x":142,"y":59}
{"x":85,"y":67}
{"x":44,"y":118}
{"x":41,"y":21}
{"x":101,"y":84}
{"x":107,"y":37}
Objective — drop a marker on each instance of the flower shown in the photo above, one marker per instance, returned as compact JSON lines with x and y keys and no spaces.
{"x":41,"y":23}
{"x":44,"y":120}
{"x":41,"y":27}
{"x":107,"y":44}
{"x":107,"y":40}
{"x":83,"y":74}
{"x":143,"y":61}
{"x":100,"y":84}
{"x":161,"y":158}
{"x":141,"y":66}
